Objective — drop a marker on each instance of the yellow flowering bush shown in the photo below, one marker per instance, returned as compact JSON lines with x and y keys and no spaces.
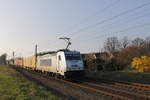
{"x":141,"y":64}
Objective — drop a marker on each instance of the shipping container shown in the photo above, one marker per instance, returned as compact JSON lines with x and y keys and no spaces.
{"x":29,"y":62}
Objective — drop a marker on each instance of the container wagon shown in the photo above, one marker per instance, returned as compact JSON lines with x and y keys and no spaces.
{"x":29,"y":62}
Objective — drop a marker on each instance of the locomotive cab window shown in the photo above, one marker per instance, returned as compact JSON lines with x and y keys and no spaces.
{"x":73,"y":57}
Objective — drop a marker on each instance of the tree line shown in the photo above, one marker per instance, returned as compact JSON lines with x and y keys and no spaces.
{"x":121,"y":53}
{"x":3,"y":59}
{"x":112,"y":44}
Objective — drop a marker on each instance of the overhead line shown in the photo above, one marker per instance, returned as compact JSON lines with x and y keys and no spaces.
{"x":93,"y":15}
{"x":133,"y":19}
{"x":114,"y":17}
{"x":102,"y":11}
{"x":130,"y":20}
{"x":124,"y":30}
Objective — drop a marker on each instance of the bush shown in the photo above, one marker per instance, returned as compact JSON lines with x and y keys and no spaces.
{"x":99,"y":64}
{"x":111,"y":65}
{"x":141,"y":64}
{"x":107,"y":65}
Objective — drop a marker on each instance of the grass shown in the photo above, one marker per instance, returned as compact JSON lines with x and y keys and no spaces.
{"x":128,"y":76}
{"x":13,"y":86}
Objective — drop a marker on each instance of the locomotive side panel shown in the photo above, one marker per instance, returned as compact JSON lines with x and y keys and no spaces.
{"x":61,"y":63}
{"x":47,"y":63}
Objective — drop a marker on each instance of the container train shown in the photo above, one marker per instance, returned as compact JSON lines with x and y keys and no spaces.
{"x":62,"y":63}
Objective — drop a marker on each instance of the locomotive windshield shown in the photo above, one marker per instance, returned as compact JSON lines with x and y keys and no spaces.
{"x":72,"y":56}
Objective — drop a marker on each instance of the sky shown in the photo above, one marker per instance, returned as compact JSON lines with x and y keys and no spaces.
{"x":25,"y":23}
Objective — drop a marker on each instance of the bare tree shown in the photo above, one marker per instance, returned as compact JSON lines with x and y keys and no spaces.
{"x":124,"y":42}
{"x":111,"y":44}
{"x":138,"y":42}
{"x":147,"y":41}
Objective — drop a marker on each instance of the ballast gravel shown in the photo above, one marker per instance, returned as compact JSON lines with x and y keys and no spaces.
{"x":63,"y":90}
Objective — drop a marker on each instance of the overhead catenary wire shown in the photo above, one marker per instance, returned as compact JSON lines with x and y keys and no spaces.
{"x":127,"y":29}
{"x":85,"y":20}
{"x":127,"y":21}
{"x":91,"y":16}
{"x":111,"y":18}
{"x":116,"y":16}
{"x":123,"y":30}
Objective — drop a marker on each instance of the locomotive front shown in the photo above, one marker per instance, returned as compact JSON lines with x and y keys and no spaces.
{"x":74,"y":64}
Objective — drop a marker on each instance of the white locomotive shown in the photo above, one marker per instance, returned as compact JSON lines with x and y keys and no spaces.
{"x":62,"y":63}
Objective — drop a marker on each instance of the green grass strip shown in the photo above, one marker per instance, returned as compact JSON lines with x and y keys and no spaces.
{"x":13,"y":86}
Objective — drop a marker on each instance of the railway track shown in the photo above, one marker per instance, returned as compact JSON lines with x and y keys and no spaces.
{"x":111,"y":90}
{"x":118,"y":91}
{"x":136,"y":86}
{"x":140,"y":86}
{"x":108,"y":90}
{"x":100,"y":91}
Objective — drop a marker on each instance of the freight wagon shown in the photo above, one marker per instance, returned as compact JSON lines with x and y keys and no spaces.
{"x":18,"y":62}
{"x":29,"y":62}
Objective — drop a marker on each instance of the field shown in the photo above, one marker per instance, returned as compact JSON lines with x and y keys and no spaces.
{"x":121,"y":75}
{"x":13,"y":86}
